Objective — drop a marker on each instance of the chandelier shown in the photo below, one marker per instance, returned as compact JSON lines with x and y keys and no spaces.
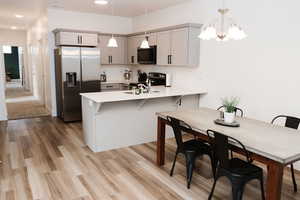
{"x":222,"y":28}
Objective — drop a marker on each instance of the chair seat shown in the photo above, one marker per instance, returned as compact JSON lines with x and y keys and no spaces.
{"x":238,"y":167}
{"x":197,"y":146}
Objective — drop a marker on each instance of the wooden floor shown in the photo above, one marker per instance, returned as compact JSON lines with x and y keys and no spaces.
{"x":46,"y":159}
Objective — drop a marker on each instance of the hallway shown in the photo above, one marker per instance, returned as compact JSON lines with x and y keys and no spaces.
{"x":22,"y":104}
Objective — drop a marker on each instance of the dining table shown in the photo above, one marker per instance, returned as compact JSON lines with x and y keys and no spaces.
{"x":272,"y":145}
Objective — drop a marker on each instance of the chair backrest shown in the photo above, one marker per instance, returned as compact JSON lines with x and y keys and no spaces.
{"x":290,"y":122}
{"x":177,"y":126}
{"x":236,"y":110}
{"x":220,"y":145}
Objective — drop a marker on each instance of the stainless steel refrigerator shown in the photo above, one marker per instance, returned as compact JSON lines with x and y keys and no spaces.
{"x":77,"y":71}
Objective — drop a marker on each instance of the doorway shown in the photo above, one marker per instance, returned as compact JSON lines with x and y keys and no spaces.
{"x":22,"y":98}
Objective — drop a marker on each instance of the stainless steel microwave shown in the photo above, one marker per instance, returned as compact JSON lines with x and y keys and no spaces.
{"x":147,"y":56}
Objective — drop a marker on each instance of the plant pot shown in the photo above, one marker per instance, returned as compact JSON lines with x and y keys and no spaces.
{"x":229,"y":117}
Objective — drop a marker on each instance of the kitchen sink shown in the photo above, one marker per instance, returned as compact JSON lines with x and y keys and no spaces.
{"x":130,"y":92}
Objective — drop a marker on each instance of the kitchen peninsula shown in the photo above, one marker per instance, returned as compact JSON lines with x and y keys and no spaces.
{"x":120,"y":118}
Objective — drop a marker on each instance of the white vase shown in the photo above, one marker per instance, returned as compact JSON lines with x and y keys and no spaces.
{"x":229,"y":117}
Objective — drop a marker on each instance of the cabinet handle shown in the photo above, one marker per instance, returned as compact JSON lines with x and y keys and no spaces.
{"x":111,"y":59}
{"x":170,"y":59}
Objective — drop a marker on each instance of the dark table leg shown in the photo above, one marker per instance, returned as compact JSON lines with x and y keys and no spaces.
{"x":161,"y":135}
{"x":274,"y":181}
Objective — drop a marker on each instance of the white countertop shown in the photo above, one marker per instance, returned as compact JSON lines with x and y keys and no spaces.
{"x":115,"y":96}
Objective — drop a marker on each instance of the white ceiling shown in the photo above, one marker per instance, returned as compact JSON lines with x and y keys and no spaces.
{"x":126,"y":8}
{"x":31,"y":9}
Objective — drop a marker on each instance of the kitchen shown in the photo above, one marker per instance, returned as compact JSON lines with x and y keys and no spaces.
{"x":121,"y":74}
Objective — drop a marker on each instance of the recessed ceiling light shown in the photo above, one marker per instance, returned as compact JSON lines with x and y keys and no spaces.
{"x":19,"y":16}
{"x":101,"y":2}
{"x":13,"y":27}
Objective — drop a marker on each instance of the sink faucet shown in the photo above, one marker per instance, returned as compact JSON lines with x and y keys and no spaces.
{"x":145,"y":88}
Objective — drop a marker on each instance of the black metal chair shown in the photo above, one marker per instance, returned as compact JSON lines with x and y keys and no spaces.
{"x":290,"y":122}
{"x":191,"y":149}
{"x":238,"y":171}
{"x":236,"y":110}
{"x":241,"y":114}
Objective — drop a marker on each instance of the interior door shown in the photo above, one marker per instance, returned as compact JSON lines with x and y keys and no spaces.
{"x":179,"y":46}
{"x":163,"y":48}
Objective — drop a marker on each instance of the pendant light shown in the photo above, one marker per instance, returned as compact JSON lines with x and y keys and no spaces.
{"x":223,"y":28}
{"x":145,"y":42}
{"x":112,"y":41}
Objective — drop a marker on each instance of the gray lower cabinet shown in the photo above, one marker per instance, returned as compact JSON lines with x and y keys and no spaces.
{"x":113,"y":56}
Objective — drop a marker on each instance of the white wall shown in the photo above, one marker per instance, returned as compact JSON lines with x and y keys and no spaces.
{"x":87,"y":22}
{"x":13,"y":38}
{"x":262,"y":70}
{"x":38,"y":44}
{"x":3,"y":112}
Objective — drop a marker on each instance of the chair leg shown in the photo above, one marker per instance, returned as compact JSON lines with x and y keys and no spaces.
{"x":213,"y":166}
{"x":173,"y":166}
{"x":190,"y":162}
{"x":294,"y":179}
{"x":237,"y":192}
{"x":213,"y":189}
{"x":261,"y":180}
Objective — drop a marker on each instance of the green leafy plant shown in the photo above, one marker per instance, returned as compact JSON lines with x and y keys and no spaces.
{"x":230,"y":104}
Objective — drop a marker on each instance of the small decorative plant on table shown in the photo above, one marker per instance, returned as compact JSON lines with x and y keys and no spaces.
{"x":230,"y":105}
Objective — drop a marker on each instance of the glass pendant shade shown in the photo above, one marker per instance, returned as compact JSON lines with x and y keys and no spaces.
{"x":112,"y":42}
{"x":145,"y":44}
{"x":208,"y":33}
{"x":236,"y":33}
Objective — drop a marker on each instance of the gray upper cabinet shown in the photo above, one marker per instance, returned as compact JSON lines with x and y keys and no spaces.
{"x":63,"y":38}
{"x":163,"y":48}
{"x":179,"y":47}
{"x":134,"y":42}
{"x":113,"y":56}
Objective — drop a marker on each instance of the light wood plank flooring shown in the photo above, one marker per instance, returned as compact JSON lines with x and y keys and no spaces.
{"x":44,"y":158}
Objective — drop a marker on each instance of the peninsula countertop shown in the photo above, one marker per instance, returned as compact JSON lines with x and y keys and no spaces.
{"x":156,"y":92}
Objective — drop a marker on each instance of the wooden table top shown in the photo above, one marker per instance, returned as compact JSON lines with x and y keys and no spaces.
{"x":271,"y":141}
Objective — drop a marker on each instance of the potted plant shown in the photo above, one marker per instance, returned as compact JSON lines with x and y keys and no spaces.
{"x":229,"y":105}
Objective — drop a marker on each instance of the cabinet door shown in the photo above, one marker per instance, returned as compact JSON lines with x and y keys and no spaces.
{"x":152,"y":39}
{"x":163,"y":47}
{"x":67,"y":38}
{"x":89,"y":39}
{"x":118,"y":54}
{"x":133,"y":44}
{"x":105,"y":51}
{"x":131,"y":51}
{"x":179,"y":46}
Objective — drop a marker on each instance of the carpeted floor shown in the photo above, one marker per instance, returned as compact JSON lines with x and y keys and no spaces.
{"x":28,"y":109}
